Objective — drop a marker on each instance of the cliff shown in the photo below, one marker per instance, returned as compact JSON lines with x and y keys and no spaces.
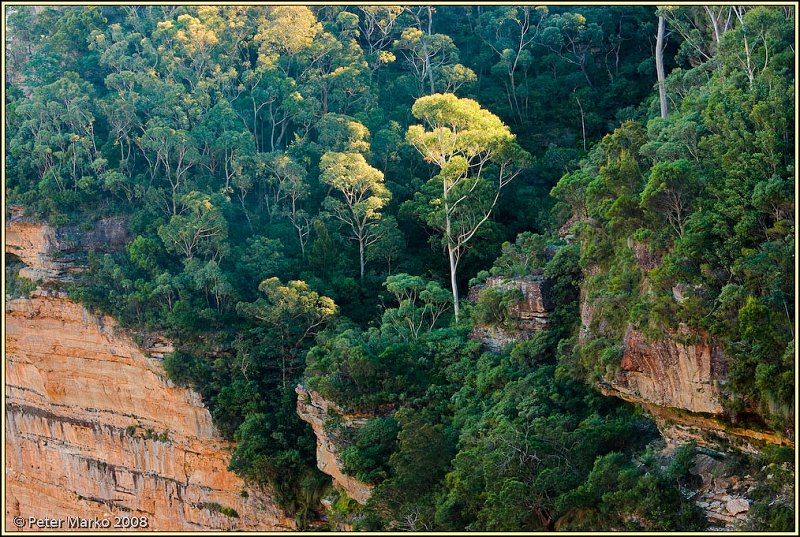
{"x":315,"y":410}
{"x":679,"y":379}
{"x":55,"y":254}
{"x":93,"y":426}
{"x":669,"y":373}
{"x":528,"y":316}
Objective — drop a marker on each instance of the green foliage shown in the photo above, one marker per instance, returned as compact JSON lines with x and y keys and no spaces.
{"x":261,"y":259}
{"x":291,"y":314}
{"x":420,"y":305}
{"x":694,"y":211}
{"x":494,"y":306}
{"x":462,"y":140}
{"x":526,"y":254}
{"x":249,"y":146}
{"x":202,"y":231}
{"x":218,"y":508}
{"x":367,"y":456}
{"x":619,"y":496}
{"x":364,"y":195}
{"x":772,"y":504}
{"x":670,"y":192}
{"x":17,"y":286}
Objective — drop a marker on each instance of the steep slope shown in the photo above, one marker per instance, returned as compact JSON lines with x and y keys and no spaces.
{"x":94,"y":427}
{"x":316,"y":410}
{"x":680,"y":379}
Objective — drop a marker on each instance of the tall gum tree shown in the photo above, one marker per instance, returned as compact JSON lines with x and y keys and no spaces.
{"x":477,"y":156}
{"x":362,"y":195}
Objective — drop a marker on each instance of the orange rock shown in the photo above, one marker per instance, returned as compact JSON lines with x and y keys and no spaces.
{"x":673,"y":374}
{"x":314,"y":409}
{"x":94,"y":428}
{"x":35,"y":245}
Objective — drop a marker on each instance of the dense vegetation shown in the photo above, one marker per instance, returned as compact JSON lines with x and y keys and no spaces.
{"x":310,"y":190}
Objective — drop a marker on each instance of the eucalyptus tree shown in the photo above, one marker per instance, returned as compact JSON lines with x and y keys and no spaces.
{"x":286,"y":192}
{"x":361,"y":196}
{"x":477,"y":156}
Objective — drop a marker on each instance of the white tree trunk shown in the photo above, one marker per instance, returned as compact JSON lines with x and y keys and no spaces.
{"x":662,"y":90}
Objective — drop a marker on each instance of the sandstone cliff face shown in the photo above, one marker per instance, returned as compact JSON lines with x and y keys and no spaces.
{"x":51,"y":254}
{"x":666,"y":372}
{"x":680,"y":384}
{"x":34,"y":245}
{"x":93,"y":426}
{"x":669,"y":373}
{"x":314,"y":409}
{"x":529,"y":316}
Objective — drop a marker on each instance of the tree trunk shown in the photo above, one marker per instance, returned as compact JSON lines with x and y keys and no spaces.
{"x":662,"y":90}
{"x":453,"y":284}
{"x":361,"y":259}
{"x":283,"y":370}
{"x":302,"y":244}
{"x":583,"y":122}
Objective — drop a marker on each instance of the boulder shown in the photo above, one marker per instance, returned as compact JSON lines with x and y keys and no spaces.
{"x":737,"y":505}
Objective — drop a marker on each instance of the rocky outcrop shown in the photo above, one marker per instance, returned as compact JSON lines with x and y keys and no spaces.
{"x":527,"y":317}
{"x":707,"y":430}
{"x":681,"y":385}
{"x":715,"y":483}
{"x":679,"y":378}
{"x":94,"y":428}
{"x":54,"y":254}
{"x":314,"y":409}
{"x":669,"y":373}
{"x":34,"y":245}
{"x":723,"y":498}
{"x":643,"y":254}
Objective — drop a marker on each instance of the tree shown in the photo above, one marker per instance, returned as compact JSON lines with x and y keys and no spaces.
{"x":377,"y":25}
{"x":670,"y":190}
{"x":55,"y":139}
{"x":363,"y":196}
{"x":337,"y":72}
{"x":174,"y":153}
{"x":571,"y":189}
{"x":211,"y":280}
{"x":294,"y":313}
{"x":343,"y":134}
{"x":659,"y":54}
{"x":572,"y":38}
{"x":202,"y":230}
{"x":433,"y":60}
{"x":477,"y":157}
{"x":287,"y":190}
{"x":420,"y":304}
{"x":510,"y":31}
{"x":223,"y":143}
{"x":260,"y":258}
{"x":390,"y":245}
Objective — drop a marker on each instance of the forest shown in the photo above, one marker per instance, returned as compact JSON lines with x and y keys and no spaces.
{"x":312,"y":191}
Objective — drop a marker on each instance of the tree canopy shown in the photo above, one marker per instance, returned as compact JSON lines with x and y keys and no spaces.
{"x":310,"y":191}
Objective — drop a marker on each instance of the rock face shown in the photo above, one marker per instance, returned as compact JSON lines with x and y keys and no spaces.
{"x":51,"y":253}
{"x":93,"y":426}
{"x":681,"y":385}
{"x":529,"y":316}
{"x":669,"y":373}
{"x":34,"y":245}
{"x":314,"y":409}
{"x":680,"y":379}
